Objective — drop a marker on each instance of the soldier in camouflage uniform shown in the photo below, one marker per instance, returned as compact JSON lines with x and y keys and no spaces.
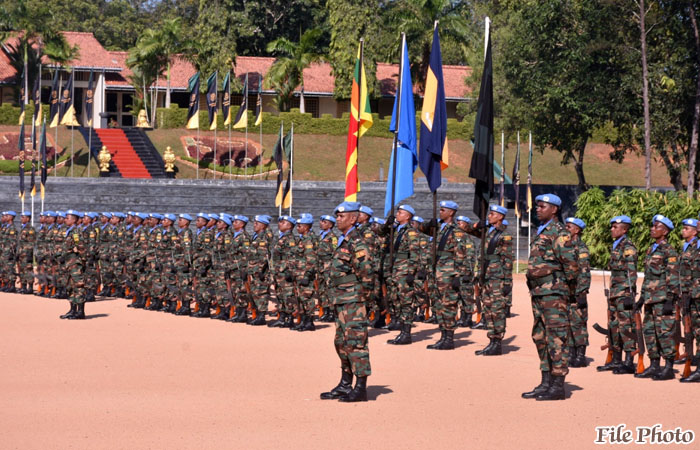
{"x":382,"y":242}
{"x":305,"y":273}
{"x":220,"y":266}
{"x":72,"y":259}
{"x":9,"y":251}
{"x":201,"y":263}
{"x":551,"y":277}
{"x":688,"y":260}
{"x":25,"y":254}
{"x":238,"y":270}
{"x":424,"y":274}
{"x":42,"y":254}
{"x":497,"y":274}
{"x":152,"y":269}
{"x":106,"y":237}
{"x":136,"y":258}
{"x":350,"y":274}
{"x":452,"y":257}
{"x":692,"y":298}
{"x":90,"y":235}
{"x":284,"y":254}
{"x":402,"y":275}
{"x":182,"y":259}
{"x":60,"y":277}
{"x":327,"y":241}
{"x":259,"y":267}
{"x":466,"y":298}
{"x":166,"y":277}
{"x":116,"y":262}
{"x":578,"y":304}
{"x":623,"y":288}
{"x":660,"y":293}
{"x":363,"y":225}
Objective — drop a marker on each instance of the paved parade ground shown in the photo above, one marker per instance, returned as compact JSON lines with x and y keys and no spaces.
{"x":131,"y":379}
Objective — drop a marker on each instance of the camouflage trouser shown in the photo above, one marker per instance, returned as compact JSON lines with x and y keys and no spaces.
{"x":168,"y":278}
{"x":216,"y":285}
{"x":306,"y":298}
{"x":76,"y":283}
{"x":402,"y":297}
{"x":445,"y":300}
{"x":550,"y":332}
{"x":116,"y":268}
{"x":106,"y":272}
{"x":658,"y":331}
{"x":494,"y":303}
{"x":695,"y":323}
{"x":238,"y":289}
{"x":622,"y":324}
{"x":92,"y":280}
{"x":26,"y":269}
{"x":351,"y":338}
{"x":323,"y":299}
{"x":578,"y":318}
{"x":259,"y":292}
{"x":420,"y":297}
{"x":466,"y":298}
{"x":184,"y":284}
{"x":286,"y":295}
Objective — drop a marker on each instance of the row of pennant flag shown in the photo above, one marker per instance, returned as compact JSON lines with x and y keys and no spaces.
{"x":212,"y":100}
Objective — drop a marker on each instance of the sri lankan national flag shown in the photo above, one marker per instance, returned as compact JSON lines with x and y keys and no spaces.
{"x":54,"y":109}
{"x":258,"y":103}
{"x":193,"y":108}
{"x":433,"y":155}
{"x":68,"y":103}
{"x":36,"y":98}
{"x":241,"y":120}
{"x":42,"y":149}
{"x":21,"y":98}
{"x":212,"y":101}
{"x":226,"y":102}
{"x":90,"y":99}
{"x":20,"y":147}
{"x":360,"y":122}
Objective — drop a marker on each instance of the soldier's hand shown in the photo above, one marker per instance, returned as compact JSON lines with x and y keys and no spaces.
{"x":639,"y":304}
{"x":244,"y":275}
{"x":420,"y":275}
{"x":668,"y":308}
{"x":304,"y":282}
{"x":507,"y":290}
{"x":288,"y":277}
{"x":261,"y":276}
{"x":455,"y":283}
{"x":582,"y":300}
{"x":410,"y":279}
{"x":607,"y":293}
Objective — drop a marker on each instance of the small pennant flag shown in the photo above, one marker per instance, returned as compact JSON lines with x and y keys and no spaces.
{"x":193,"y":108}
{"x":241,"y":120}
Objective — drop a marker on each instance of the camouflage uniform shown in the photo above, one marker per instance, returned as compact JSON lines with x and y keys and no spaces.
{"x":117,"y":257}
{"x":58,"y":275}
{"x":424,"y":274}
{"x":239,"y":254}
{"x":407,"y":253}
{"x":350,"y":274}
{"x":578,"y":306}
{"x":103,"y":252}
{"x":659,"y":290}
{"x":182,"y":258}
{"x":9,"y":254}
{"x":220,"y":265}
{"x":72,"y":255}
{"x":91,"y":236}
{"x":373,"y":242}
{"x":306,"y":259}
{"x":259,"y":268}
{"x":42,"y":256}
{"x":695,"y":298}
{"x":327,"y":242}
{"x":284,"y":255}
{"x":466,"y":288}
{"x":25,"y":255}
{"x":623,"y":286}
{"x":138,"y":260}
{"x":552,"y":268}
{"x":201,"y":264}
{"x":166,"y":263}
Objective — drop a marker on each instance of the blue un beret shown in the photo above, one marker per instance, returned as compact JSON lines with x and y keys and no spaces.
{"x":690,"y":222}
{"x":289,"y":219}
{"x":186,"y":217}
{"x":377,"y":220}
{"x":225,"y":218}
{"x":449,"y":204}
{"x":61,"y":214}
{"x":347,"y":207}
{"x":27,"y":213}
{"x":305,"y":219}
{"x":93,"y":215}
{"x":241,"y":217}
{"x":119,"y":215}
{"x":203,"y":216}
{"x":418,"y":219}
{"x":463,"y":219}
{"x":263,"y":218}
{"x":331,"y":218}
{"x":505,"y":223}
{"x":50,"y":214}
{"x":367,"y":210}
{"x":72,"y":212}
{"x":664,"y":220}
{"x":107,"y":214}
{"x":156,"y":216}
{"x":408,"y":208}
{"x":621,"y":219}
{"x":499,"y":209}
{"x":576,"y":221}
{"x":552,"y":199}
{"x":170,"y":217}
{"x":11,"y":213}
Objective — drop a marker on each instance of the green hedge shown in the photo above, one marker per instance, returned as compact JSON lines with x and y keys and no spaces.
{"x":9,"y":115}
{"x":11,"y":166}
{"x":594,"y":208}
{"x":175,"y":117}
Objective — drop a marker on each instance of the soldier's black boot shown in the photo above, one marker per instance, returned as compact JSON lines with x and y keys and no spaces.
{"x":666,"y":373}
{"x":79,"y":312}
{"x":404,"y":338}
{"x":391,"y":341}
{"x":480,"y":325}
{"x":419,"y":316}
{"x":184,"y":309}
{"x":394,"y":325}
{"x":437,"y":344}
{"x":653,"y":368}
{"x":573,"y":358}
{"x":495,"y":349}
{"x":342,"y":389}
{"x":448,"y":343}
{"x":70,"y":312}
{"x":485,"y":349}
{"x":508,"y":313}
{"x":358,"y":393}
{"x":556,"y":390}
{"x":289,"y":321}
{"x":243,"y":315}
{"x":105,"y":291}
{"x":140,"y":302}
{"x":299,"y":326}
{"x":581,"y":356}
{"x":309,"y":324}
{"x":540,"y":388}
{"x":278,"y":322}
{"x":204,"y":310}
{"x":222,"y":314}
{"x":259,"y":320}
{"x":627,"y":367}
{"x":380,"y":321}
{"x":693,"y":377}
{"x":432,"y":319}
{"x":614,"y":362}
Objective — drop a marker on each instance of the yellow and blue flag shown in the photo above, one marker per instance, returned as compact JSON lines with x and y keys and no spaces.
{"x":193,"y":108}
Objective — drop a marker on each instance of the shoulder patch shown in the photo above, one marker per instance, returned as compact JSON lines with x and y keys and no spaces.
{"x":412,"y":233}
{"x":361,"y":254}
{"x":309,"y":246}
{"x":583,"y":255}
{"x":334,"y":240}
{"x":629,"y":252}
{"x":672,"y":259}
{"x":507,"y":238}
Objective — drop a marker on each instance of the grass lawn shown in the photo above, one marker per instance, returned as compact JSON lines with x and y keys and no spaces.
{"x":323,"y":158}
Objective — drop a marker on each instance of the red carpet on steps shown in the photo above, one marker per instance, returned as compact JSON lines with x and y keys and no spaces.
{"x":123,"y":154}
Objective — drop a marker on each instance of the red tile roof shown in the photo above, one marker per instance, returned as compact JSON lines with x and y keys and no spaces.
{"x":7,"y":72}
{"x":453,"y":76}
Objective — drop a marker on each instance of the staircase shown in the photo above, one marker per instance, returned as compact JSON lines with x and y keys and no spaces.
{"x":133,"y":154}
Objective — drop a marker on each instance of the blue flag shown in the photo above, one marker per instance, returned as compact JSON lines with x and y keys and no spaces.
{"x":433,"y":155}
{"x":406,"y":156}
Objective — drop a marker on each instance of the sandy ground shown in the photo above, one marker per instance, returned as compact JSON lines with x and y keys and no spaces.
{"x":136,"y":379}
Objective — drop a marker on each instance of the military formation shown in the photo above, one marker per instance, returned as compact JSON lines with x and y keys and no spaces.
{"x":360,"y":271}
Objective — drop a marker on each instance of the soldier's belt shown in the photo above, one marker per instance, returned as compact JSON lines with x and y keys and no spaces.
{"x":446,"y":253}
{"x":491,"y":257}
{"x":618,"y":273}
{"x":651,"y":276}
{"x":402,"y":255}
{"x":551,"y":278}
{"x":352,"y":278}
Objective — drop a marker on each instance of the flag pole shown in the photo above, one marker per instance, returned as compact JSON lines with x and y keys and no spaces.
{"x":245,"y":157}
{"x":55,"y":151}
{"x":360,"y":105}
{"x":395,"y":154}
{"x":291,"y":173}
{"x":529,"y":208}
{"x":434,"y":231}
{"x":503,"y":169}
{"x":230,"y":162}
{"x":517,"y":219}
{"x":72,"y":128}
{"x":260,"y":160}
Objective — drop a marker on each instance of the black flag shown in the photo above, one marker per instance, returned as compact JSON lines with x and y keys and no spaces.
{"x":42,"y":148}
{"x":89,"y":99}
{"x":20,"y":147}
{"x":482,"y":160}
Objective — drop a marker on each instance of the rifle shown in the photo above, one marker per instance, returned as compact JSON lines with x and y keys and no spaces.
{"x":688,"y":341}
{"x":428,"y":305}
{"x":677,"y":332}
{"x":606,"y":331}
{"x":639,"y":330}
{"x":477,"y":299}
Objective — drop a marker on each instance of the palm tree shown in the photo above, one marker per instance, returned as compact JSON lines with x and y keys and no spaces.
{"x":172,"y":43}
{"x":287,"y":72}
{"x":147,"y":59}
